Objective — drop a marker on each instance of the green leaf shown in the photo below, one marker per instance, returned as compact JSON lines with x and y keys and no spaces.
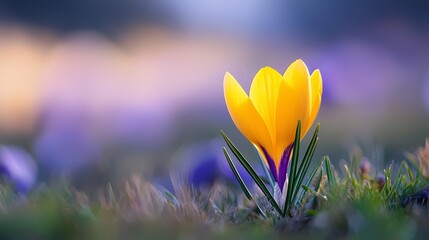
{"x":387,"y":189}
{"x":331,"y":177}
{"x":319,"y":181}
{"x":305,"y":164}
{"x":315,"y":193}
{"x":409,"y":171}
{"x":388,"y":175}
{"x":317,"y":168}
{"x":251,"y":172}
{"x":310,"y":179}
{"x":303,"y":167}
{"x":240,"y":180}
{"x":293,"y":169}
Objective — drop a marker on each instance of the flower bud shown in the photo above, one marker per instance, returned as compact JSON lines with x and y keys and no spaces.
{"x":365,"y":167}
{"x":380,"y":181}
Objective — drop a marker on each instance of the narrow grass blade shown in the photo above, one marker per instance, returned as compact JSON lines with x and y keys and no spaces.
{"x":240,"y":180}
{"x":301,"y":177}
{"x":388,"y":175}
{"x":317,"y":185}
{"x":310,"y":178}
{"x":398,"y":183}
{"x":303,"y":167}
{"x":251,"y":172}
{"x":414,"y":162}
{"x":409,"y":171}
{"x":305,"y":164}
{"x":317,"y":194}
{"x":237,"y":175}
{"x":293,"y":169}
{"x":331,"y":177}
{"x":317,"y":169}
{"x":319,"y":180}
{"x":387,"y":186}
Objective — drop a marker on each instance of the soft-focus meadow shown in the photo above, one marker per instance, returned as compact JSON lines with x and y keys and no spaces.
{"x":106,"y":107}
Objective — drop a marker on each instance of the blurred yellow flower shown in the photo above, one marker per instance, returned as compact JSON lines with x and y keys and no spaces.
{"x":268,"y":116}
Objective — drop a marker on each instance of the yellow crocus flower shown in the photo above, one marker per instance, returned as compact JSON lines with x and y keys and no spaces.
{"x":268,"y":116}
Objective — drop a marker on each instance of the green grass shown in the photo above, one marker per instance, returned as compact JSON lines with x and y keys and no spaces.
{"x":338,"y":202}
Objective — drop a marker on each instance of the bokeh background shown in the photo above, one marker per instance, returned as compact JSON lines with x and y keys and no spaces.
{"x":96,"y":90}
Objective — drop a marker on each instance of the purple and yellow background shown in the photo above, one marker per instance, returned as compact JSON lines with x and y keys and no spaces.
{"x":98,"y":90}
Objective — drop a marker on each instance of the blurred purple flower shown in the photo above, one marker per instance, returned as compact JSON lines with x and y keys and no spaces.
{"x":66,"y":144}
{"x":18,"y":167}
{"x":365,"y":167}
{"x":206,"y":172}
{"x":380,"y":181}
{"x":208,"y":165}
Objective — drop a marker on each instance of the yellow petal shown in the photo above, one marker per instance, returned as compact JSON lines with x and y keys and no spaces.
{"x":244,"y":113}
{"x":293,"y":104}
{"x":264,"y":93}
{"x":316,"y":96}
